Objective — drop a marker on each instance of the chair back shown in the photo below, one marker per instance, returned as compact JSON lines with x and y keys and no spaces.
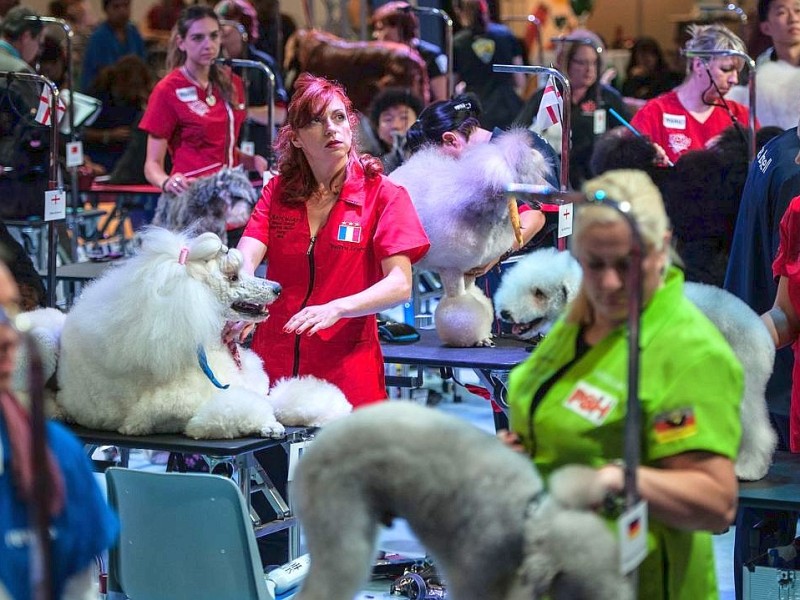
{"x":183,"y":536}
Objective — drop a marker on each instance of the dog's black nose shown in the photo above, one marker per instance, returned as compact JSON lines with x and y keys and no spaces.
{"x":505,"y":315}
{"x":276,"y":288}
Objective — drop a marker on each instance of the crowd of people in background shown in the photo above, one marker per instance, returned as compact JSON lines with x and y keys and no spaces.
{"x":171,"y":113}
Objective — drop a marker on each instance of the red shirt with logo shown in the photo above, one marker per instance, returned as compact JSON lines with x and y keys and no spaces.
{"x":201,"y":139}
{"x":373,"y":219}
{"x":667,"y":123}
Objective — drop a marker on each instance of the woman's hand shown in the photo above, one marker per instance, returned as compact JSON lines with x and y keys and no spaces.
{"x":237,"y":331}
{"x":260,"y":164}
{"x":312,"y":319}
{"x":511,"y":439}
{"x":662,"y":160}
{"x":254,"y":162}
{"x":178,"y":183}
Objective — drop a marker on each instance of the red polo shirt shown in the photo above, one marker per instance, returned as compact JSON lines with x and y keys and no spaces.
{"x":198,"y":135}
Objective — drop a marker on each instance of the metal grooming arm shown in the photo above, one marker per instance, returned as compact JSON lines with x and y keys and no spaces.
{"x":448,"y":40}
{"x":751,"y":85}
{"x":52,"y":236}
{"x":537,"y":24}
{"x":566,"y":118}
{"x":74,"y":192}
{"x":254,"y":64}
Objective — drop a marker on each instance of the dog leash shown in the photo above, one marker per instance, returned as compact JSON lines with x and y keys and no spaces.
{"x":203,"y":360}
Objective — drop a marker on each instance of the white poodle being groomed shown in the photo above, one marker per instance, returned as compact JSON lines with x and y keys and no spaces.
{"x":536,"y":290}
{"x":477,"y":506}
{"x":462,"y":208}
{"x":141,"y":351}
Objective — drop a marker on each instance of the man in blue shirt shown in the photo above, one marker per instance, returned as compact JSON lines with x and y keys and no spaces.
{"x":114,"y":38}
{"x":772,"y":182}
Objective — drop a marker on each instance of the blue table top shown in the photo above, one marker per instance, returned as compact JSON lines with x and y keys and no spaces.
{"x":779,"y":490}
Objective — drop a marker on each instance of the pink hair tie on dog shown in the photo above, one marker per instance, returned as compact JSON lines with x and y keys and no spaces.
{"x":182,"y":256}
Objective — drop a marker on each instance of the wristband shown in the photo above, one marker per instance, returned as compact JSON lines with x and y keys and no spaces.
{"x":164,"y":184}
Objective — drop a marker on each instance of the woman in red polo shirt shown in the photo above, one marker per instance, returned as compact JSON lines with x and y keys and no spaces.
{"x":196,"y":111}
{"x":340,"y":238}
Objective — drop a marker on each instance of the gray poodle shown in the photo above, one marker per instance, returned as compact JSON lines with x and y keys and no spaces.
{"x":479,"y":508}
{"x":214,"y":203}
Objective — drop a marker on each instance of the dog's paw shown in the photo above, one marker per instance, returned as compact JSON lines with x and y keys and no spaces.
{"x":487,"y":342}
{"x":272,"y":430}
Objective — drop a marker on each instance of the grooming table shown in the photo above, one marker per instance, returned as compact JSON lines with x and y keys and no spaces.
{"x":124,"y":200}
{"x":779,"y":490}
{"x":74,"y":275}
{"x":490,"y":364}
{"x":238,"y":453}
{"x":33,"y":231}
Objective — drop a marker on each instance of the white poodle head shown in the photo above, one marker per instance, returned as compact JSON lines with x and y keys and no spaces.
{"x":534,"y":292}
{"x":241,"y":297}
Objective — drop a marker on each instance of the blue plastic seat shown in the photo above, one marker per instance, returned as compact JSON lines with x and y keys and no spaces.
{"x":183,"y":536}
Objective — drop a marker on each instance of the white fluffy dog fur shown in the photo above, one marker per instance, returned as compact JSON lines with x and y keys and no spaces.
{"x":536,"y":290}
{"x":461,"y":205}
{"x":777,"y":94}
{"x":477,"y":506}
{"x":129,"y":349}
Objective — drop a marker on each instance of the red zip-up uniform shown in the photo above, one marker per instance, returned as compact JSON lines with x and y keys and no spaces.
{"x":372,"y":220}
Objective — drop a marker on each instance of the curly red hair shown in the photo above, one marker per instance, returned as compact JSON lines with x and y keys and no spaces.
{"x":311,"y":97}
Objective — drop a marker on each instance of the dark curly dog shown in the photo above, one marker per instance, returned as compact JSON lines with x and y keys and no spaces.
{"x":214,"y":203}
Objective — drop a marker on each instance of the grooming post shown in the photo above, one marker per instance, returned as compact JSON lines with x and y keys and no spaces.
{"x":254,"y":64}
{"x":52,"y":234}
{"x":448,"y":39}
{"x":566,"y":120}
{"x":74,"y":194}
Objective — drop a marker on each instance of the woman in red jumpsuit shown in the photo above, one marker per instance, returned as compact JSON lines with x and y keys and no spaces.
{"x":340,"y":238}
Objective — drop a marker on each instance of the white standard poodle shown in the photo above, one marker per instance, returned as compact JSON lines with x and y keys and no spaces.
{"x":142,"y":352}
{"x":478,"y":507}
{"x":536,"y":290}
{"x":462,"y":208}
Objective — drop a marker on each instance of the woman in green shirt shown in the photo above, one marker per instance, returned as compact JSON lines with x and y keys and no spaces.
{"x":568,"y":399}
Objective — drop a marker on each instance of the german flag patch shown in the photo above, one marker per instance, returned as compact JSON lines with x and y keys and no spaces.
{"x":674,"y":425}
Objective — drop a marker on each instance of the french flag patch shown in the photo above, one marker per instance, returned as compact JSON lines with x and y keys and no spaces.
{"x":349,"y":232}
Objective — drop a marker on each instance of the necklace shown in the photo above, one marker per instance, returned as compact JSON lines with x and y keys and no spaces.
{"x":210,"y":99}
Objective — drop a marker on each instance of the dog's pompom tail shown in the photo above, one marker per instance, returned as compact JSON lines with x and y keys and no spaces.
{"x":577,"y":487}
{"x":307,"y":401}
